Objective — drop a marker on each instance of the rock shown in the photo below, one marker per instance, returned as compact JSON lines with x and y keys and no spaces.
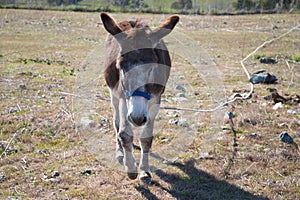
{"x":277,"y":106}
{"x":22,"y":86}
{"x":43,"y":151}
{"x":183,"y":122}
{"x":165,"y":140}
{"x":49,"y":87}
{"x":173,"y":121}
{"x":205,"y":156}
{"x":166,"y":101}
{"x":2,"y":177}
{"x":253,"y":135}
{"x":264,"y":104}
{"x":268,"y":61}
{"x":179,"y":122}
{"x":12,"y":198}
{"x":221,"y":138}
{"x":293,"y":112}
{"x":250,"y":121}
{"x":179,"y":99}
{"x":180,"y":87}
{"x":12,"y":110}
{"x":262,"y":76}
{"x":55,"y":174}
{"x":286,"y":138}
{"x":180,"y":95}
{"x":87,"y":172}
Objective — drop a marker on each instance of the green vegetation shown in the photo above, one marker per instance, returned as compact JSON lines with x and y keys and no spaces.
{"x":158,"y":6}
{"x":258,"y":56}
{"x":295,"y":58}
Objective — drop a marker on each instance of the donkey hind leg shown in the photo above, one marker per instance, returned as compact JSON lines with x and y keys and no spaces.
{"x":146,"y":139}
{"x":116,"y":115}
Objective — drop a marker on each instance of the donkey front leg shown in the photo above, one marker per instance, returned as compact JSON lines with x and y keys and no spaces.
{"x":129,"y":161}
{"x":146,"y":139}
{"x":125,"y":137}
{"x":145,"y":174}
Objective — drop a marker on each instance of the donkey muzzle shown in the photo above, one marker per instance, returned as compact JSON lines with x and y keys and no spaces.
{"x":137,"y":120}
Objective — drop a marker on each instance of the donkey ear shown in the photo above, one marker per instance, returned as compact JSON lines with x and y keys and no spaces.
{"x":165,"y":28}
{"x":109,"y":24}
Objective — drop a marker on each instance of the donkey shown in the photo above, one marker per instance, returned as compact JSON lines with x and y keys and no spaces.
{"x":137,"y":68}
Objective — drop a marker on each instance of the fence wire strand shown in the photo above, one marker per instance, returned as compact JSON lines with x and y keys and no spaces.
{"x":244,"y":96}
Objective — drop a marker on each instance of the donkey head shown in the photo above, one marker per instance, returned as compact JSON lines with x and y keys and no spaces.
{"x":138,"y":61}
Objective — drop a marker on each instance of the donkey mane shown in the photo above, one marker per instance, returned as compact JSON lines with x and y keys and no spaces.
{"x":127,"y":25}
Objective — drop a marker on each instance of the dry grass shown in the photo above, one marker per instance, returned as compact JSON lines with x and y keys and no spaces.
{"x":46,"y":155}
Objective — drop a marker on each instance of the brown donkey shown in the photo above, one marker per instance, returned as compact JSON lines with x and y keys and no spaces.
{"x":137,"y":68}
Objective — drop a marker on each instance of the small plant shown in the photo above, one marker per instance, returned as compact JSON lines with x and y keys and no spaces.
{"x":258,"y":56}
{"x":295,"y":58}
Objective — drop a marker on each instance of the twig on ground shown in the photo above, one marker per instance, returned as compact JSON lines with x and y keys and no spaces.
{"x":70,"y":94}
{"x":292,"y":72}
{"x":9,"y":143}
{"x":19,"y":108}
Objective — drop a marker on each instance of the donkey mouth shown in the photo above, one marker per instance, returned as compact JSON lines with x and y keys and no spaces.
{"x":137,"y":121}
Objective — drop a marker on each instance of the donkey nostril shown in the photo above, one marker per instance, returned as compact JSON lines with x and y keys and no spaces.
{"x":144,"y":120}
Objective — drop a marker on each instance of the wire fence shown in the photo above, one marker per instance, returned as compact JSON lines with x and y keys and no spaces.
{"x":160,"y":6}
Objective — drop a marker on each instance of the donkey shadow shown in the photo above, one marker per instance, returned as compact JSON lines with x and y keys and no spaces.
{"x":196,"y":185}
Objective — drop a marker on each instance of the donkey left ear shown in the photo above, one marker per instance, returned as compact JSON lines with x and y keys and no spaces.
{"x":165,"y":28}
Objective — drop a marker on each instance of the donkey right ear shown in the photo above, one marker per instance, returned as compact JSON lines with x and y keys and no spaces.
{"x":109,"y":24}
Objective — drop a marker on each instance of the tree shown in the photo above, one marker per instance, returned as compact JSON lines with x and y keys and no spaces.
{"x":182,"y":4}
{"x":62,"y":2}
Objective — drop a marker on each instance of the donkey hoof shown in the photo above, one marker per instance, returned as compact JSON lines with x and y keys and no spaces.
{"x":145,"y":178}
{"x":132,"y":175}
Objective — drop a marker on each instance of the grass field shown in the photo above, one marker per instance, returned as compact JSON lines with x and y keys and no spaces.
{"x":56,"y":133}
